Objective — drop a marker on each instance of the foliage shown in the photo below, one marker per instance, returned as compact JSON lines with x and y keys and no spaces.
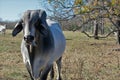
{"x":89,"y":9}
{"x":59,"y":9}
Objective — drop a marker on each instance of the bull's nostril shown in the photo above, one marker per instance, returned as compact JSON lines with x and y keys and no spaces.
{"x":25,"y":38}
{"x":29,"y":38}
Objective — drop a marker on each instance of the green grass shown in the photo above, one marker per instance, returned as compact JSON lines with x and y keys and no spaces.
{"x":83,"y":59}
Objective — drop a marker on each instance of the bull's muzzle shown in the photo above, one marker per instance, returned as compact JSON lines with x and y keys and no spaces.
{"x":29,"y":38}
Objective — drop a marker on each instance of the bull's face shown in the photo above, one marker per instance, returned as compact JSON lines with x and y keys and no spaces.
{"x":31,"y":24}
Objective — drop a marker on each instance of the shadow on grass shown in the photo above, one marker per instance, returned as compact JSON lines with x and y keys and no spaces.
{"x":69,"y":39}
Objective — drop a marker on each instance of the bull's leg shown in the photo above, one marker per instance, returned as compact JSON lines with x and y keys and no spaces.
{"x":58,"y":62}
{"x":45,"y":72}
{"x":28,"y":69}
{"x":30,"y":75}
{"x":52,"y":73}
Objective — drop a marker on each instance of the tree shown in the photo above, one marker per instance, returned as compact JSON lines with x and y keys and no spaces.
{"x":98,"y":10}
{"x":89,"y":11}
{"x":59,"y":9}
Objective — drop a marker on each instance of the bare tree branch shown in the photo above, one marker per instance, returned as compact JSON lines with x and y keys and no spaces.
{"x":91,"y":19}
{"x":111,"y":18}
{"x":99,"y":36}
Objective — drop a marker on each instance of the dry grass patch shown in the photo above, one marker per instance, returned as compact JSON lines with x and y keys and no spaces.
{"x":84,"y":58}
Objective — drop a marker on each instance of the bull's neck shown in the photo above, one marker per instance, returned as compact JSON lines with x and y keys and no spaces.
{"x":47,"y":43}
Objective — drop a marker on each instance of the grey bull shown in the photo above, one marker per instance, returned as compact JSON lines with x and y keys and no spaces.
{"x":43,"y":43}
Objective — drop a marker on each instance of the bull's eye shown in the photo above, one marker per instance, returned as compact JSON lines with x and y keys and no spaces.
{"x":37,"y":23}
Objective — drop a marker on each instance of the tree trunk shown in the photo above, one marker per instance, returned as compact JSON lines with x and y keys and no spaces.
{"x":118,"y":32}
{"x":118,"y":37}
{"x":102,"y":26}
{"x":96,"y":30}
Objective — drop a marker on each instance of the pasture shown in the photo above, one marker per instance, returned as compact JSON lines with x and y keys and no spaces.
{"x":83,"y":59}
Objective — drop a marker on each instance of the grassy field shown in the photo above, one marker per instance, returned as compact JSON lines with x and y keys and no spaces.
{"x":84,"y":58}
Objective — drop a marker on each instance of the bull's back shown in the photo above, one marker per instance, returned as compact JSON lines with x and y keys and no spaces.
{"x":59,"y":39}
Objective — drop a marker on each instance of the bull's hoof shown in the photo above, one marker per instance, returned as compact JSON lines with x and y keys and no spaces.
{"x":59,"y":79}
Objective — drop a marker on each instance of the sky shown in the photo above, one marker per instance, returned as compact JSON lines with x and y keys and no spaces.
{"x":12,"y":10}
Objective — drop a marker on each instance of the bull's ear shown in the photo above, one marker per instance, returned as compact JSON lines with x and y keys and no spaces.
{"x":18,"y":28}
{"x":42,"y":15}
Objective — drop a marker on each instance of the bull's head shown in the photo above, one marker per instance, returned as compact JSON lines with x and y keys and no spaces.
{"x":32,"y":21}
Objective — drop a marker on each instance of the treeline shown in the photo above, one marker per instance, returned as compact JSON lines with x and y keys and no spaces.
{"x":67,"y":25}
{"x":9,"y":24}
{"x":70,"y":25}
